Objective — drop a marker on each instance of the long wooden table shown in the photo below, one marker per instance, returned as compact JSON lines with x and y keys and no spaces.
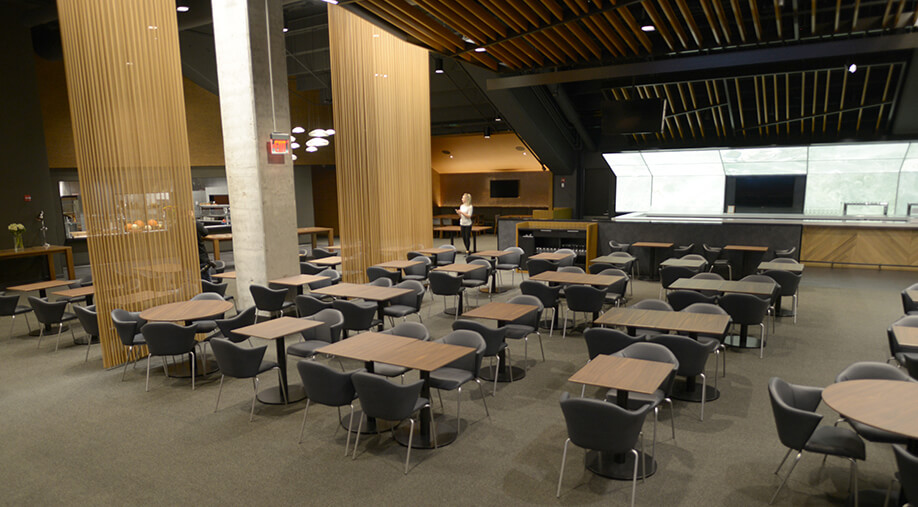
{"x":451,"y":229}
{"x":754,"y":288}
{"x":780,"y":266}
{"x":89,"y":291}
{"x":576,"y":278}
{"x":368,"y":292}
{"x":312,"y":231}
{"x":34,"y":251}
{"x":688,"y":323}
{"x":408,"y":353}
{"x":623,"y":374}
{"x":42,"y":288}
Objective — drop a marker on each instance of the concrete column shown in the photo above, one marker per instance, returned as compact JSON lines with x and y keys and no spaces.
{"x":249,"y":39}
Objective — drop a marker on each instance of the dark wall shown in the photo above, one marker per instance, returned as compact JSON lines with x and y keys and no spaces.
{"x":24,"y":170}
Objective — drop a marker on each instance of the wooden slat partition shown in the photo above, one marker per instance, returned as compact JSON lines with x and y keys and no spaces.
{"x":125,"y":85}
{"x":381,"y":88}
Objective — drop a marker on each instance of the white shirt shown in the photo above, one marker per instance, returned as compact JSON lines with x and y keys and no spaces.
{"x":467,"y":209}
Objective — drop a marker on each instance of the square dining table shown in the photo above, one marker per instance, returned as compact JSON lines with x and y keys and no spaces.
{"x":461,"y":269}
{"x":369,"y":292}
{"x":654,"y":247}
{"x":502,"y":313}
{"x":297,"y":281}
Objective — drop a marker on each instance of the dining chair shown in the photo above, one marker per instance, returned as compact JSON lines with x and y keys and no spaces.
{"x":521,"y":328}
{"x":376,"y":272}
{"x":272,"y":301}
{"x":692,"y":356}
{"x":240,"y":362}
{"x":870,"y":370}
{"x":407,"y":304}
{"x":494,"y":344}
{"x":327,"y":387}
{"x":549,"y":296}
{"x":509,"y":261}
{"x":317,"y":337}
{"x":445,"y":284}
{"x":746,"y":310}
{"x":907,"y":464}
{"x":127,"y":326}
{"x":357,"y":317}
{"x":461,"y":371}
{"x":49,"y":313}
{"x":681,"y":299}
{"x":714,"y":342}
{"x":90,"y":322}
{"x":169,"y":339}
{"x":10,"y":307}
{"x":586,"y":299}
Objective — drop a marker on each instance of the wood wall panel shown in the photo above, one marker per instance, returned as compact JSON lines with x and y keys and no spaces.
{"x":535,"y":189}
{"x":125,"y":86}
{"x":381,"y":90}
{"x":860,"y":246}
{"x":325,"y":197}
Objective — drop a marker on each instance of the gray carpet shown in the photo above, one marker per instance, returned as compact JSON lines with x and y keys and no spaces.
{"x":74,"y":433}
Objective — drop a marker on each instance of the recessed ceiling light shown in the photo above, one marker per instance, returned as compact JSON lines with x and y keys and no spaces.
{"x":852,"y":68}
{"x":480,"y":50}
{"x":182,"y":8}
{"x":286,"y":29}
{"x":497,"y":119}
{"x":649,"y":28}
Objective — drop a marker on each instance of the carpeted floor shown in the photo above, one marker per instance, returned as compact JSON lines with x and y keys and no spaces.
{"x":73,"y":433}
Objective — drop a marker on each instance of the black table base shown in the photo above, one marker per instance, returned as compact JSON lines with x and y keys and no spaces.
{"x":445,"y":428}
{"x":737,"y":341}
{"x":614,"y":467}
{"x":49,"y":330}
{"x":183,"y":369}
{"x":272,"y":395}
{"x":368,"y":428}
{"x":682,"y":391}
{"x":515,"y":373}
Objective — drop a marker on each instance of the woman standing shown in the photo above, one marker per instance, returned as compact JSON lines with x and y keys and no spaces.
{"x":465,"y":220}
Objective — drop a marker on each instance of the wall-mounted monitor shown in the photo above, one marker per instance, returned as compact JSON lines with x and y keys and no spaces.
{"x":503,"y":189}
{"x":633,"y":116}
{"x":765,"y":194}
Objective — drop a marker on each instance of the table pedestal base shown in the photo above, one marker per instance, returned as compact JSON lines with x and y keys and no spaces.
{"x":49,"y":330}
{"x":272,"y":395}
{"x":610,"y":466}
{"x":559,"y":324}
{"x":367,"y":428}
{"x":873,"y":497}
{"x":494,"y":290}
{"x":784,"y":312}
{"x":183,"y":369}
{"x":682,"y":392}
{"x":84,"y":339}
{"x":445,"y":428}
{"x":515,"y":373}
{"x":735,"y":340}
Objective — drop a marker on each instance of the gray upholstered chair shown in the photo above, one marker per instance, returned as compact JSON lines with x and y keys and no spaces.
{"x":785,"y":253}
{"x":418,"y":272}
{"x":494,"y":343}
{"x":414,"y":330}
{"x":615,"y":292}
{"x":357,"y":317}
{"x":403,"y":306}
{"x":604,"y":427}
{"x":308,"y":268}
{"x":228,"y":326}
{"x":445,"y":284}
{"x":795,"y":414}
{"x":317,"y":337}
{"x":583,"y":298}
{"x":789,"y":283}
{"x":692,"y":356}
{"x":240,"y":362}
{"x":908,"y":473}
{"x":683,"y":250}
{"x":869,"y":370}
{"x":650,"y":304}
{"x":708,"y":276}
{"x":49,"y":313}
{"x":272,"y":301}
{"x":569,"y":260}
{"x":624,"y":261}
{"x":328,"y":387}
{"x":479,"y":277}
{"x":381,"y":282}
{"x":510,"y":261}
{"x":600,"y":340}
{"x":445,"y":258}
{"x":715,"y":343}
{"x":680,"y":299}
{"x":548,"y":295}
{"x":332,"y":277}
{"x":615,"y":246}
{"x":696,"y":257}
{"x":651,"y":352}
{"x":207,"y":325}
{"x":536,"y":266}
{"x":90,"y":322}
{"x":747,"y":310}
{"x":465,"y":369}
{"x":521,"y":328}
{"x":909,"y":307}
{"x":385,"y":400}
{"x":321,"y":253}
{"x":771,"y":298}
{"x":669,"y":274}
{"x":714,"y":256}
{"x":127,"y":326}
{"x":9,"y":306}
{"x":307,"y":305}
{"x":376,"y":272}
{"x":169,"y":339}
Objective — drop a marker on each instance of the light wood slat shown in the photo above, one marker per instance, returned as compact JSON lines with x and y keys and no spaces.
{"x":604,"y":34}
{"x":673,"y":22}
{"x":685,"y":107}
{"x":632,"y":23}
{"x":895,"y":23}
{"x":405,"y":26}
{"x":672,"y":104}
{"x":546,"y":46}
{"x":622,"y":31}
{"x":418,"y":18}
{"x":787,"y":100}
{"x":738,"y":16}
{"x":758,"y":103}
{"x":582,"y":36}
{"x":524,"y":47}
{"x":556,"y":39}
{"x":778,"y":19}
{"x":132,"y":159}
{"x":854,"y":16}
{"x":709,"y":15}
{"x":802,"y":100}
{"x":512,"y":48}
{"x":720,"y":110}
{"x":445,"y":13}
{"x":657,"y":20}
{"x":837,"y":16}
{"x":889,"y":76}
{"x":722,"y":19}
{"x":825,"y":104}
{"x":690,"y":21}
{"x":861,"y":245}
{"x":739,"y":101}
{"x":841,"y":106}
{"x":774,"y":80}
{"x":539,"y":9}
{"x":505,"y":14}
{"x":765,"y":103}
{"x":555,"y":8}
{"x":484,"y":16}
{"x":695,"y":106}
{"x":524,"y":12}
{"x":717,"y":125}
{"x":571,"y":41}
{"x":383,"y":173}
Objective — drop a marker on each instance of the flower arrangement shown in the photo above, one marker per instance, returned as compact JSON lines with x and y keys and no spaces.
{"x":17,"y":230}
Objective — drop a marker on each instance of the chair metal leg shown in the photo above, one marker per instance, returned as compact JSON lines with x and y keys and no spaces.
{"x":303,"y":425}
{"x":410,"y":437}
{"x":41,"y":334}
{"x":672,"y":416}
{"x":60,"y":328}
{"x":852,"y":484}
{"x":350,"y":424}
{"x":634,"y":477}
{"x":130,"y":354}
{"x":458,"y":408}
{"x":762,"y":343}
{"x":563,"y":460}
{"x":704,"y":394}
{"x":254,"y":397}
{"x":783,"y":460}
{"x":551,"y":325}
{"x":147,"y":388}
{"x":193,"y":359}
{"x":485,"y":402}
{"x":539,"y":334}
{"x":357,"y":438}
{"x":889,"y":491}
{"x":794,"y":464}
{"x":496,"y":374}
{"x":219,"y":392}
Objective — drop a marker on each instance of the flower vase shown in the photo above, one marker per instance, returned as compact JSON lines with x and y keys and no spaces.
{"x":17,"y":242}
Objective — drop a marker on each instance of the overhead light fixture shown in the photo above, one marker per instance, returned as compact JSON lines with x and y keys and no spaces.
{"x":286,"y":29}
{"x":294,"y":145}
{"x":330,"y":132}
{"x":292,"y":139}
{"x":183,"y":8}
{"x":317,"y":141}
{"x":497,"y":119}
{"x":311,"y":149}
{"x":438,"y":66}
{"x":333,"y":2}
{"x":649,"y":28}
{"x":487,"y":133}
{"x":293,"y":157}
{"x":852,"y":68}
{"x":480,"y":50}
{"x":298,"y":130}
{"x":318,"y":133}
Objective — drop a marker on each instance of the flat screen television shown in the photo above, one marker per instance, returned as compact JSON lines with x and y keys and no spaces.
{"x":505,"y":189}
{"x":766,"y":194}
{"x":633,"y":116}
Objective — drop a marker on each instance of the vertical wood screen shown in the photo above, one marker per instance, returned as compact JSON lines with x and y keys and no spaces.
{"x":381,"y":93}
{"x":125,"y":86}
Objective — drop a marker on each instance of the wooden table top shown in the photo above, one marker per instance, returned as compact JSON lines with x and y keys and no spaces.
{"x":459,"y":268}
{"x":434,"y":251}
{"x":327,"y":261}
{"x":550,"y":256}
{"x":446,"y":217}
{"x":576,"y":278}
{"x":75,"y":293}
{"x":277,"y":328}
{"x":682,"y":263}
{"x":332,"y":248}
{"x":161,"y":267}
{"x":397,"y":264}
{"x":757,"y":288}
{"x":681,"y":322}
{"x":186,"y":310}
{"x":368,"y":292}
{"x":47,"y":284}
{"x":608,"y":259}
{"x":906,"y":335}
{"x":397,"y":350}
{"x":746,"y":248}
{"x":34,"y":250}
{"x":623,"y":373}
{"x":491,"y":253}
{"x":500,"y":311}
{"x":455,"y":228}
{"x":145,"y":296}
{"x":313,"y":230}
{"x":651,"y":244}
{"x":781,"y":266}
{"x":228,"y":274}
{"x":297,"y":280}
{"x":889,"y":405}
{"x":912,"y":294}
{"x":225,"y":236}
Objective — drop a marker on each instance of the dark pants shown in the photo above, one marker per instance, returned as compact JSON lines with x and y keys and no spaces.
{"x":466,"y":231}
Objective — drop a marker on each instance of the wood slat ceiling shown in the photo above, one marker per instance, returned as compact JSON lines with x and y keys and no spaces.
{"x":520,"y":35}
